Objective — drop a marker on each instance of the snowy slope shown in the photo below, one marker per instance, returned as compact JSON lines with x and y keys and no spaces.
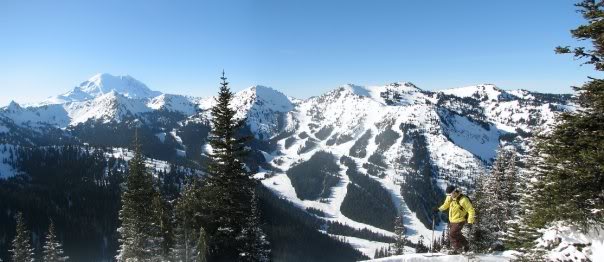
{"x":498,"y":257}
{"x":174,"y":103}
{"x":513,"y":109}
{"x":107,"y":107}
{"x":54,"y":115}
{"x":352,"y":110}
{"x":567,"y":243}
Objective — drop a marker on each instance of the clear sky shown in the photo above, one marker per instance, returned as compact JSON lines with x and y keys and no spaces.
{"x":302,"y":48}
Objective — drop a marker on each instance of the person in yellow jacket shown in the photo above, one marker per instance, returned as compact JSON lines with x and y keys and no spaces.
{"x":461,"y":212}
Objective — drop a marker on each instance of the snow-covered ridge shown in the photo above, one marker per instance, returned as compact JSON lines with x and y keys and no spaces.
{"x":175,"y":103}
{"x":484,"y":91}
{"x":105,"y":96}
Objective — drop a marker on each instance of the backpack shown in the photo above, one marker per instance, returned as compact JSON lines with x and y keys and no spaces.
{"x":461,"y":207}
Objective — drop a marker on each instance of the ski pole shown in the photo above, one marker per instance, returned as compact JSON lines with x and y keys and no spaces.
{"x":432,"y":241}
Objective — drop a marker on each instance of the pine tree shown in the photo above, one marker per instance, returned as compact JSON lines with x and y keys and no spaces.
{"x":523,"y":229}
{"x":421,"y":245}
{"x":573,"y":149}
{"x":188,"y":213}
{"x":161,"y":227}
{"x":53,"y":251}
{"x":256,"y":246}
{"x":495,"y":203}
{"x":480,"y":237}
{"x":140,"y":231}
{"x":22,"y":250}
{"x":400,"y":239}
{"x":230,"y":186}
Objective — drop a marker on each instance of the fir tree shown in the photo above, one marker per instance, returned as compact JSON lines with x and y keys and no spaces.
{"x":523,"y":228}
{"x":230,"y":186}
{"x":53,"y":250}
{"x":480,"y":236}
{"x":22,"y":250}
{"x":495,"y":202}
{"x":140,"y":231}
{"x":161,"y":226}
{"x":256,"y":247}
{"x":186,"y":217}
{"x":400,"y":239}
{"x":573,"y":150}
{"x":421,"y":245}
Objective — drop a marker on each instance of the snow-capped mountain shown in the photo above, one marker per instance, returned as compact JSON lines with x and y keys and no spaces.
{"x":356,"y":155}
{"x":101,"y":84}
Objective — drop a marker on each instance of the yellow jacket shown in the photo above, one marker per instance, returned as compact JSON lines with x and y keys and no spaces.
{"x":458,"y":208}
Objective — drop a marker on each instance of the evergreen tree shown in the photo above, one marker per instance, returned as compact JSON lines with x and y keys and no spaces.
{"x":495,"y":203}
{"x":184,"y":248}
{"x":161,"y":226}
{"x":573,"y":150}
{"x":230,"y":186}
{"x":22,"y":250}
{"x":421,"y":245}
{"x":522,"y":231}
{"x":256,"y":247}
{"x":399,"y":231}
{"x":480,"y":236}
{"x":53,"y":250}
{"x":140,"y":231}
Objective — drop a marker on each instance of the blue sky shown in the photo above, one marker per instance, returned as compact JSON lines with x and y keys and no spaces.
{"x":302,"y":48}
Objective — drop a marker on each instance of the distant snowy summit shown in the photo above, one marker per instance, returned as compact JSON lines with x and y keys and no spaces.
{"x":101,"y":84}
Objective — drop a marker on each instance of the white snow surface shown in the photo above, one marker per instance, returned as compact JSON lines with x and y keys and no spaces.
{"x":491,"y":92}
{"x":421,"y":257}
{"x":562,"y":242}
{"x":152,"y":164}
{"x":175,"y":103}
{"x":107,"y":107}
{"x":473,"y":138}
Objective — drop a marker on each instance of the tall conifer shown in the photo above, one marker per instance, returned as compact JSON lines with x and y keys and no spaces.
{"x":574,"y":149}
{"x":140,"y":231}
{"x":53,"y":250}
{"x":230,"y":186}
{"x":21,"y":249}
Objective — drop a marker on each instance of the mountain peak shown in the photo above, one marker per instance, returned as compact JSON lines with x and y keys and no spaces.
{"x":263,"y":95}
{"x":103,"y":83}
{"x":14,"y":106}
{"x":126,"y":85}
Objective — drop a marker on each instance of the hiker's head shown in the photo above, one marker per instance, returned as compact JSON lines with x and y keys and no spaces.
{"x":452,"y":191}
